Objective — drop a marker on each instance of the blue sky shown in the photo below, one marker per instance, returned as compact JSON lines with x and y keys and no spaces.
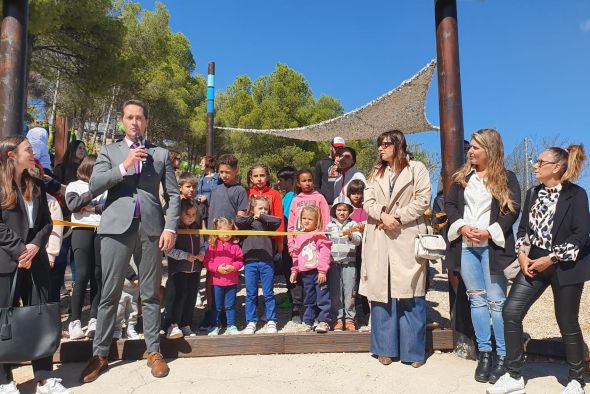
{"x":525,"y":65}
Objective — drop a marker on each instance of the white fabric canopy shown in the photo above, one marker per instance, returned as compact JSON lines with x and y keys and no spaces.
{"x":402,"y":108}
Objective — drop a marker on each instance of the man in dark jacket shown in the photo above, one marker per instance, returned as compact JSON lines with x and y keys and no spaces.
{"x":326,"y":171}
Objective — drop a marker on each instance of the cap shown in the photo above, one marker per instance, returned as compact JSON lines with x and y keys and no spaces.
{"x":338,"y":142}
{"x":340,"y":200}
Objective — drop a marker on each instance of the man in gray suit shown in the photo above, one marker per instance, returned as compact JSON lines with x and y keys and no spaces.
{"x":132,"y":224}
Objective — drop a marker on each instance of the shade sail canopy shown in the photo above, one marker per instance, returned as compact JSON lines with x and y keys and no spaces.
{"x":402,"y":108}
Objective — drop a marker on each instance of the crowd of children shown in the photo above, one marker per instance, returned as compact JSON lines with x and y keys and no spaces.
{"x":320,"y":262}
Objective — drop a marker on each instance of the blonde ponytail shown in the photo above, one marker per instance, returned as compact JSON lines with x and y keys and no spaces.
{"x":575,"y":162}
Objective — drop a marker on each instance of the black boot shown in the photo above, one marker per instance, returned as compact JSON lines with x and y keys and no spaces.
{"x":484,"y":366}
{"x":499,"y":369}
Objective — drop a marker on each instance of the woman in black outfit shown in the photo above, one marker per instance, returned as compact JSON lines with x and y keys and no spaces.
{"x":25,"y":227}
{"x":67,"y":171}
{"x":555,"y":223}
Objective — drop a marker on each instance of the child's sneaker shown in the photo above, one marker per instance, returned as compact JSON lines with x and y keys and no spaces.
{"x":174,"y":332}
{"x":232,"y":330}
{"x":338,"y":326}
{"x":250,"y":328}
{"x":271,"y":327}
{"x":91,"y":329}
{"x":75,"y":330}
{"x":322,"y":328}
{"x":350,"y":326}
{"x":213,"y":331}
{"x":9,"y":388}
{"x":131,"y":333}
{"x":306,"y":327}
{"x":296,"y":318}
{"x":52,"y":386}
{"x":187,"y":332}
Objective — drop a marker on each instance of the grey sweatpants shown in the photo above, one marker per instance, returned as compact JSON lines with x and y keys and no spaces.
{"x":342,"y":282}
{"x":127,"y":309}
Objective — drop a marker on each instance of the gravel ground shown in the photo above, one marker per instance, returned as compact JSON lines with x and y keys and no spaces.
{"x":540,"y":322}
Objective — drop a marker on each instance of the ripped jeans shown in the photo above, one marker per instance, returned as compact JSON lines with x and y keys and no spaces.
{"x":486,"y":294}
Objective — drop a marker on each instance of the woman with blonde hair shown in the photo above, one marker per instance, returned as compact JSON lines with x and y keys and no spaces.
{"x":392,"y":277}
{"x":554,"y":226}
{"x":482,"y":206}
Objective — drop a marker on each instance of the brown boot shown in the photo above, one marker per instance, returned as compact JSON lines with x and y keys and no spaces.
{"x":158,"y":365}
{"x":385,"y":360}
{"x":96,"y":365}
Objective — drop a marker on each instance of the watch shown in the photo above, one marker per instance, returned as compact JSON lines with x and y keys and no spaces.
{"x":554,"y":259}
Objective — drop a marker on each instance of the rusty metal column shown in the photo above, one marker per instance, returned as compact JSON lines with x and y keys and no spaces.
{"x":451,"y":141}
{"x":13,"y":64}
{"x":210,"y":142}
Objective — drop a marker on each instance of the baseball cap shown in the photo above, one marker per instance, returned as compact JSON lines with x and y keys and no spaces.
{"x":338,"y":142}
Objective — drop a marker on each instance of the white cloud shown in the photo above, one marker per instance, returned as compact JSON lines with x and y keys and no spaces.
{"x":585,"y":26}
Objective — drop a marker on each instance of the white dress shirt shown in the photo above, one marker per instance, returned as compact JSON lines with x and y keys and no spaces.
{"x":478,"y":206}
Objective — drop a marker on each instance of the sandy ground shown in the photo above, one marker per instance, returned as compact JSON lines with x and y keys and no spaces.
{"x":321,"y":373}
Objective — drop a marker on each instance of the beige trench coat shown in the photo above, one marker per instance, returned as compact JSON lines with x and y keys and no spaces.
{"x":394,"y":249}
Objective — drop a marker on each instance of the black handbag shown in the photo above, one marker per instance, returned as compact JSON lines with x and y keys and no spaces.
{"x":29,"y":332}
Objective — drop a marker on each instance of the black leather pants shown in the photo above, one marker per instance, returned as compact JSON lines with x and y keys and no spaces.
{"x":524,"y":292}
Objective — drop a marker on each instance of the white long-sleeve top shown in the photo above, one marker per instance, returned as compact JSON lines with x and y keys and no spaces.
{"x":478,"y":206}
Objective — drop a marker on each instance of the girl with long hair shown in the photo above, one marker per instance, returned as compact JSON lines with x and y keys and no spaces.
{"x":482,"y":205}
{"x":25,"y":228}
{"x":67,"y":170}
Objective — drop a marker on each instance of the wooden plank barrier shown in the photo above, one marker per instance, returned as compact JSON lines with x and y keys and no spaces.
{"x":232,"y":345}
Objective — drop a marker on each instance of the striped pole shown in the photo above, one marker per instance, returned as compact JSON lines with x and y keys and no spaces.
{"x":210,"y":107}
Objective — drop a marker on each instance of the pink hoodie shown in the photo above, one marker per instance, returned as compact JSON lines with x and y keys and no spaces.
{"x":300,"y":201}
{"x":311,"y":252}
{"x":227,"y":253}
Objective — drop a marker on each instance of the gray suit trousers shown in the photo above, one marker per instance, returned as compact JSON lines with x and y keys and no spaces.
{"x":116,"y":251}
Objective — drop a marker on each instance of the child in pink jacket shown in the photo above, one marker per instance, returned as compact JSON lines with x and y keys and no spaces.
{"x":224,"y":259}
{"x":311,"y":261}
{"x":306,"y":196}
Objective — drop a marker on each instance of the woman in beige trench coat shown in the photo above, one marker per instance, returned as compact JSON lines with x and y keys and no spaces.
{"x":392,"y":278}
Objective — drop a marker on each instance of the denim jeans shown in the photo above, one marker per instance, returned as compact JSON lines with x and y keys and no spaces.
{"x":486,"y":294}
{"x":225,"y":298}
{"x":263,"y":271}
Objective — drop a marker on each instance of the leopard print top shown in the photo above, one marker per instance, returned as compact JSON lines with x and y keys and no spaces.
{"x":541,"y":223}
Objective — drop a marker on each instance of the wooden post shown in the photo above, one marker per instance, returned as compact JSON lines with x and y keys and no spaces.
{"x":453,"y":156}
{"x":210,"y":108}
{"x":13,"y":65}
{"x":61,"y":138}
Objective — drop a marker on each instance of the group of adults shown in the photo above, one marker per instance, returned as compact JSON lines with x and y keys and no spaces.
{"x":552,"y":247}
{"x":551,"y":244}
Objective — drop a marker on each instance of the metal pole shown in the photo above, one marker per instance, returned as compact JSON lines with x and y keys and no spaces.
{"x":210,"y":108}
{"x":453,"y":156}
{"x":13,"y":65}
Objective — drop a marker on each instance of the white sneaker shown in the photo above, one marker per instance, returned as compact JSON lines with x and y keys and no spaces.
{"x":75,"y":330}
{"x":187,"y":332}
{"x":573,"y":387}
{"x":232,"y":330}
{"x":250,"y":329}
{"x":271,"y":327}
{"x":507,"y":385}
{"x":91,"y":329}
{"x":52,"y":386}
{"x":9,"y":388}
{"x":131,"y":333}
{"x":174,"y":332}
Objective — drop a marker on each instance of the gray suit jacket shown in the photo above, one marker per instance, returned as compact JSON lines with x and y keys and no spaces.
{"x":125,"y":190}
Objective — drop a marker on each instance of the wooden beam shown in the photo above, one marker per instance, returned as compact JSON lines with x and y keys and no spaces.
{"x":227,"y":345}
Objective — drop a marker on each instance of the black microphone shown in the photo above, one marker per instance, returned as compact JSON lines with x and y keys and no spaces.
{"x":139,"y":143}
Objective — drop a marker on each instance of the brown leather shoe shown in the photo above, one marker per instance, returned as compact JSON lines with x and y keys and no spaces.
{"x":158,"y":365}
{"x":96,"y":365}
{"x":385,"y":360}
{"x":417,"y":364}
